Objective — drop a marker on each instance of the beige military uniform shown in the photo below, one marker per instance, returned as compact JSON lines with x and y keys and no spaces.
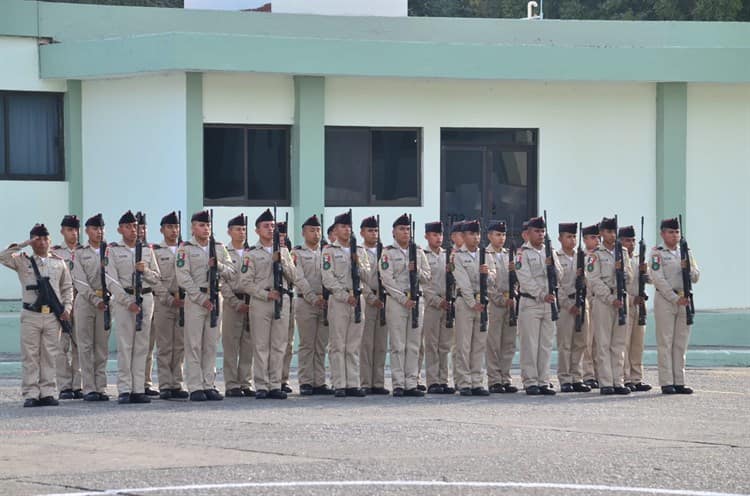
{"x":471,"y":344}
{"x":589,"y":362}
{"x":201,"y":339}
{"x":40,"y":331}
{"x":501,"y":337}
{"x":571,"y":344}
{"x":635,"y":334}
{"x":289,"y":351}
{"x":313,"y":333}
{"x":270,"y":336}
{"x":92,"y":338}
{"x":170,"y":335}
{"x":438,"y":339}
{"x":405,"y":340}
{"x":236,"y":335}
{"x":132,"y":345}
{"x":68,"y":368}
{"x":374,"y":336}
{"x":672,"y":331}
{"x":345,"y":335}
{"x":610,"y":337}
{"x":535,"y":325}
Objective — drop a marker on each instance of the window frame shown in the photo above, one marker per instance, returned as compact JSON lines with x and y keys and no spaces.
{"x":382,"y":203}
{"x":247,"y":202}
{"x":5,"y":175}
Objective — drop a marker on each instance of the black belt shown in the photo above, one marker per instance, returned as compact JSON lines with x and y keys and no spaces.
{"x":572,"y":296}
{"x":527,"y":295}
{"x":32,"y":287}
{"x":203,"y":290}
{"x":131,"y":291}
{"x":31,"y":308}
{"x":242,"y":296}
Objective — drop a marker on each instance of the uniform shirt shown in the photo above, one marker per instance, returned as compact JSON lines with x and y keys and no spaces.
{"x":434,"y":291}
{"x":165,"y":258}
{"x":52,"y":266}
{"x":256,"y":272}
{"x":466,"y":272}
{"x":374,"y":275}
{"x":568,"y":280}
{"x":600,"y":272}
{"x":531,"y":269}
{"x":87,"y":274}
{"x":309,"y":277}
{"x":67,"y":254}
{"x":232,"y":286}
{"x":394,"y":271}
{"x":499,"y":291}
{"x":337,"y":273}
{"x":665,"y":272}
{"x":191,"y":268}
{"x":119,"y":263}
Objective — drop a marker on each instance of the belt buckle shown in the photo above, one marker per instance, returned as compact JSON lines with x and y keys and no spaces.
{"x":681,"y":294}
{"x":506,"y":294}
{"x":45,"y":309}
{"x":99,"y":293}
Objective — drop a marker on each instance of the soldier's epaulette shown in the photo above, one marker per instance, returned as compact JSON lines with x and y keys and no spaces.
{"x":219,"y":243}
{"x":155,"y":246}
{"x":252,"y":248}
{"x":298,"y":247}
{"x":112,"y":244}
{"x":56,"y":247}
{"x":186,"y":243}
{"x":82,"y":247}
{"x":55,"y":255}
{"x":660,"y":248}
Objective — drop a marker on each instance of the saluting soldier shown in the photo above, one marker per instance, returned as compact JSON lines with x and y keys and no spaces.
{"x":438,"y":339}
{"x":635,"y":334}
{"x":405,"y":338}
{"x":236,"y":334}
{"x":132,"y":344}
{"x":193,"y":264}
{"x":313,"y":332}
{"x":470,"y":341}
{"x":170,"y":334}
{"x":68,"y":368}
{"x":374,"y":336}
{"x":535,"y":325}
{"x":610,"y":336}
{"x":89,"y":306}
{"x":345,"y":334}
{"x":501,"y":336}
{"x":670,"y":303}
{"x":270,"y":335}
{"x":570,"y":343}
{"x":40,"y":328}
{"x":589,"y":362}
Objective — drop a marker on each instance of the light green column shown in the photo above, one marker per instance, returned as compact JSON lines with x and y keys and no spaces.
{"x":671,"y":150}
{"x":73,"y":146}
{"x":194,"y":135}
{"x":308,"y":147}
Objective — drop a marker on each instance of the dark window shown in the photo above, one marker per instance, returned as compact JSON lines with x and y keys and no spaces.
{"x":246,"y":165}
{"x":31,"y":136}
{"x":367,"y":166}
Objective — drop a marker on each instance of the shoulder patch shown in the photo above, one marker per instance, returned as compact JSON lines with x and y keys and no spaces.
{"x":590,"y":260}
{"x":656,"y":261}
{"x":180,"y":262}
{"x":384,"y":262}
{"x":245,"y":264}
{"x":326,"y":261}
{"x":519,"y":261}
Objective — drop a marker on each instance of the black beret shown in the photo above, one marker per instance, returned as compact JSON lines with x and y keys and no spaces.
{"x":567,"y":227}
{"x":281,"y":226}
{"x":170,"y":218}
{"x":236,"y":221}
{"x":95,"y":221}
{"x":312,"y":221}
{"x":471,"y":226}
{"x":536,"y":222}
{"x":626,"y":232}
{"x":608,"y":224}
{"x":670,"y":224}
{"x":345,"y":219}
{"x":402,"y":221}
{"x":497,"y":225}
{"x":140,"y":218}
{"x":457,"y":227}
{"x":38,"y":230}
{"x":368,"y":222}
{"x":127,"y":218}
{"x":201,"y":216}
{"x":524,"y":225}
{"x":266,"y":216}
{"x":592,"y":230}
{"x":330,"y":229}
{"x":71,"y":221}
{"x":433,"y":227}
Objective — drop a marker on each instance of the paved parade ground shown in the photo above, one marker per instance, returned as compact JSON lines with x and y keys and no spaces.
{"x":644,"y":443}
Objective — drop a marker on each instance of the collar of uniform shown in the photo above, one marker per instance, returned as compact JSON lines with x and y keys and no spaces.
{"x":439,"y":252}
{"x":491,"y":249}
{"x":259,"y":246}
